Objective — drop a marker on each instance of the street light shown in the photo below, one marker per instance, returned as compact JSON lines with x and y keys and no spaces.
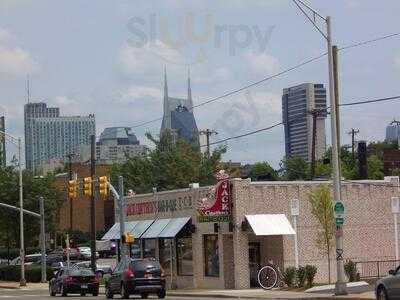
{"x":17,"y":141}
{"x":340,"y":287}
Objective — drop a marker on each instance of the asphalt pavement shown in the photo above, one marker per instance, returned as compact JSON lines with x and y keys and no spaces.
{"x":11,"y":294}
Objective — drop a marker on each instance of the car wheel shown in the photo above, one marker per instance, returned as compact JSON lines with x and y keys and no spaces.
{"x":83,"y":294}
{"x":63,"y":291}
{"x":95,"y":293}
{"x":109,"y":294}
{"x":51,"y":292}
{"x":144,"y":295}
{"x":161,"y":294}
{"x":382,"y":294}
{"x":124,"y":292}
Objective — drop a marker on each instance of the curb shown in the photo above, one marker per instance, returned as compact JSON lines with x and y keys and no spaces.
{"x":177,"y":294}
{"x":9,"y":287}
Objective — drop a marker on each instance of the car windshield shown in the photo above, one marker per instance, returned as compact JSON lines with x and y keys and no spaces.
{"x":80,"y":272}
{"x":143,"y":264}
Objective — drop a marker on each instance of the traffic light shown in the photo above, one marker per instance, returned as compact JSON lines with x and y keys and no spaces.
{"x":127,"y":238}
{"x":87,"y":186}
{"x":103,"y":185}
{"x":72,"y":187}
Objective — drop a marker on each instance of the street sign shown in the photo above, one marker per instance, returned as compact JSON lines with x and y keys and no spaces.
{"x":395,"y":205}
{"x":339,"y":210}
{"x":295,"y":207}
{"x":339,"y":221}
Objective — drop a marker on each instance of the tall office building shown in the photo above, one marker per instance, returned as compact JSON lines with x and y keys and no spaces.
{"x":115,"y":145}
{"x":178,"y":115}
{"x":50,"y":137}
{"x":297,"y":103}
{"x":393,"y":131}
{"x":3,"y":158}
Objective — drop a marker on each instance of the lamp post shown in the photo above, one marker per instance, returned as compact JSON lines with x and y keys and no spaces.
{"x":17,"y":141}
{"x":340,"y":286}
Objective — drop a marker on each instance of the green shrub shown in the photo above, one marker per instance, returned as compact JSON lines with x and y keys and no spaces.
{"x":301,"y":276}
{"x":310,"y":272}
{"x":32,"y":273}
{"x":289,"y":276}
{"x":14,"y":252}
{"x":351,"y":270}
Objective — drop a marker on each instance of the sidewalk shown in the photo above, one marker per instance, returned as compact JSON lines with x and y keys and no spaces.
{"x":261,"y":294}
{"x":29,"y":285}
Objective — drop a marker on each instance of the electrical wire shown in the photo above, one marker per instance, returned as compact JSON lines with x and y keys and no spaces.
{"x":369,"y":41}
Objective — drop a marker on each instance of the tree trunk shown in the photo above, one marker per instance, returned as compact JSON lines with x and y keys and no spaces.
{"x":329,"y":267}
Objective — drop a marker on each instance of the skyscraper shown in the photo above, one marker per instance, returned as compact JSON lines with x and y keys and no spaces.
{"x":115,"y":145}
{"x":297,"y":103}
{"x":393,"y":131}
{"x":3,"y":158}
{"x":178,"y":115}
{"x":49,"y":136}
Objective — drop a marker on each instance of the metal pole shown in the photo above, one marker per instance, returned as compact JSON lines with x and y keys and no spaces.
{"x":71,"y":202}
{"x":43,"y":238}
{"x":67,"y":246}
{"x":296,"y":248}
{"x":396,"y":236}
{"x":340,"y":287}
{"x":121,"y":203}
{"x":21,"y":219}
{"x":93,"y":204}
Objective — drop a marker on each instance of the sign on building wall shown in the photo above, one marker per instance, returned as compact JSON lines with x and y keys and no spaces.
{"x":216,"y":207}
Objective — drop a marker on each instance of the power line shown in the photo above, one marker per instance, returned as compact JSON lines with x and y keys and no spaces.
{"x":300,"y":117}
{"x":230,"y":93}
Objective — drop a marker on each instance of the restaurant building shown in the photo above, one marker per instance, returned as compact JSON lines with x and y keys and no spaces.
{"x":219,"y":237}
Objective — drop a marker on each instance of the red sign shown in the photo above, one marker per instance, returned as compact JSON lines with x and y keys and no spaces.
{"x":216,"y":207}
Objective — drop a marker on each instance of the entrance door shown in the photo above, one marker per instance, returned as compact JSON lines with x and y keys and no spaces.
{"x":254,"y":263}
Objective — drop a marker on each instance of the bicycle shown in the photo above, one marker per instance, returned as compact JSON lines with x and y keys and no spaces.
{"x":269,"y":277}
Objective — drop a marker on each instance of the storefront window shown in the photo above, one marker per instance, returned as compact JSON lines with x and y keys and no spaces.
{"x":185,"y":256}
{"x":211,"y":257}
{"x":149,"y":248}
{"x":135,"y":249}
{"x":165,"y":255}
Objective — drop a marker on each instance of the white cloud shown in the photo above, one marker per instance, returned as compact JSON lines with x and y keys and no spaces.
{"x":262,"y":63}
{"x":14,"y":61}
{"x":141,"y":92}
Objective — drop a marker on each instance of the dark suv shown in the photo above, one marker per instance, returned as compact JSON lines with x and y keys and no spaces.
{"x":136,"y":276}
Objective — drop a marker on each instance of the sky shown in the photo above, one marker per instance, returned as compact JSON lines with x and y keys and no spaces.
{"x":107,"y":58}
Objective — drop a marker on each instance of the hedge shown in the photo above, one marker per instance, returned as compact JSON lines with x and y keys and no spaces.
{"x":14,"y":252}
{"x":32,"y":273}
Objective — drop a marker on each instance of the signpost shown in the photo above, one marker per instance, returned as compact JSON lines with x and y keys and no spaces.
{"x":295,"y":211}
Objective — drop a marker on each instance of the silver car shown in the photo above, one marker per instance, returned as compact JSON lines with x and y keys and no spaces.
{"x":389,"y":286}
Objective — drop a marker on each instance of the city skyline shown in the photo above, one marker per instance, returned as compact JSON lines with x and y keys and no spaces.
{"x":126,"y":81}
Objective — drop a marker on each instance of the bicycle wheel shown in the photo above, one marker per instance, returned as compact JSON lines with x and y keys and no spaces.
{"x":267,"y":277}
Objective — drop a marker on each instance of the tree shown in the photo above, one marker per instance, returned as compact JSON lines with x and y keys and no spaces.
{"x":375,"y":167}
{"x":263,"y":171}
{"x":33,"y":189}
{"x":376,"y":148}
{"x":396,"y":172}
{"x":295,"y":168}
{"x":170,"y":165}
{"x":322,"y":209}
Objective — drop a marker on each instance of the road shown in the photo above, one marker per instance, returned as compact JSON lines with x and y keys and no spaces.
{"x":11,"y":294}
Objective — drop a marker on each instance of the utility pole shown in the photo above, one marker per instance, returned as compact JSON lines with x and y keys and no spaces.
{"x":93,"y":203}
{"x":121,"y":204}
{"x":315,"y":114}
{"x":208,"y":133}
{"x":353,"y":132}
{"x":42,"y":239}
{"x":71,"y":202}
{"x":22,"y":281}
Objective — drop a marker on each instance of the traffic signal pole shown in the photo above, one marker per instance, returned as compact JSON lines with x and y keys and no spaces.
{"x":93,"y":203}
{"x":121,"y":204}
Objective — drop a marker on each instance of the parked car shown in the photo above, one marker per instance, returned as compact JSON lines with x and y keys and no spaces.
{"x":136,"y":276}
{"x":73,"y":254}
{"x":74,"y":281}
{"x":100,"y":269}
{"x":29,"y":259}
{"x":388,"y":287}
{"x":106,"y":248}
{"x":54,"y":258}
{"x":85,"y":253}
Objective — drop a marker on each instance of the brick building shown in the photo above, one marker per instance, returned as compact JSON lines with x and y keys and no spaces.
{"x":214,"y":254}
{"x":391,"y":161}
{"x":81,"y":205}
